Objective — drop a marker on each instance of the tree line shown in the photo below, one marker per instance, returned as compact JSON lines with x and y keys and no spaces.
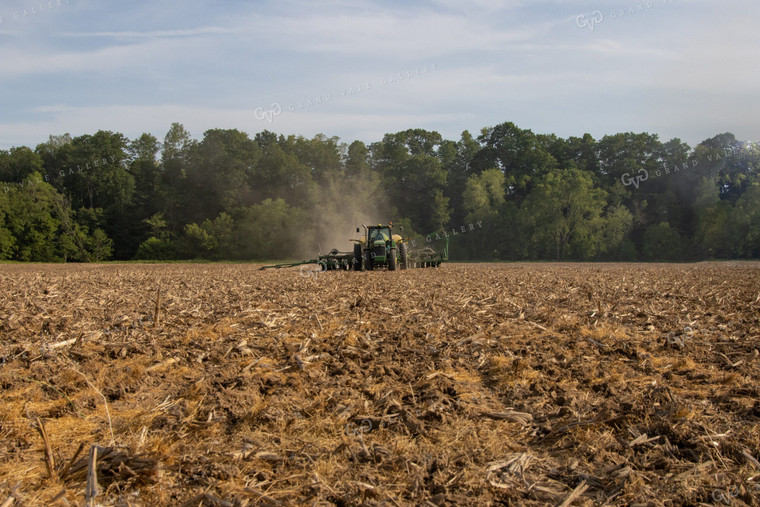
{"x":624,"y":197}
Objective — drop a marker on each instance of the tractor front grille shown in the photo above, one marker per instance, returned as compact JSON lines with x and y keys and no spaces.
{"x":379,"y":251}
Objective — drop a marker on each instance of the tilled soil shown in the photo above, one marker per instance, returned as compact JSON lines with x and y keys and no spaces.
{"x":511,"y":384}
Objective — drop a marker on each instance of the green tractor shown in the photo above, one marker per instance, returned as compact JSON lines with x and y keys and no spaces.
{"x":380,"y":247}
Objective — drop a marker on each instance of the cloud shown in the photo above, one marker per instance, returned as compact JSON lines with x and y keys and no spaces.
{"x":156,"y":34}
{"x":133,"y":121}
{"x":132,"y":67}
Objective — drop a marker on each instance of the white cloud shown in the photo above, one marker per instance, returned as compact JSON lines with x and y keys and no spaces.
{"x":156,"y":34}
{"x":373,"y":32}
{"x":132,"y":121}
{"x":683,"y":67}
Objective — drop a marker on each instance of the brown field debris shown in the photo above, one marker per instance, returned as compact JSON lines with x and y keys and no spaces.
{"x":510,"y":384}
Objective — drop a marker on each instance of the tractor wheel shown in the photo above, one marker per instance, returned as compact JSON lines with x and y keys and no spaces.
{"x":368,"y":264}
{"x":358,"y":258}
{"x":392,"y":260}
{"x":403,"y":256}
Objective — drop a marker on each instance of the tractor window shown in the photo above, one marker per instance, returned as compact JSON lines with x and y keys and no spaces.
{"x":380,"y":235}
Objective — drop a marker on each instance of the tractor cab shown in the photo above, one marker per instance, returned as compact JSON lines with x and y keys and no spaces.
{"x":379,"y":247}
{"x":379,"y":243}
{"x":379,"y":236}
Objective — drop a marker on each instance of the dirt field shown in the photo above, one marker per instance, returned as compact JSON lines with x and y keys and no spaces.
{"x":511,"y":384}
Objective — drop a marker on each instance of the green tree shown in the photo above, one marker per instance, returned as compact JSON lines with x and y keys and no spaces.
{"x":17,"y":164}
{"x":94,"y":175}
{"x":321,"y":155}
{"x":177,"y":145}
{"x":160,"y":245}
{"x":7,"y":241}
{"x":617,"y":225}
{"x":627,"y":154}
{"x":220,"y":172}
{"x":483,"y":200}
{"x":662,"y":242}
{"x":223,"y":230}
{"x":73,"y":237}
{"x":573,"y":152}
{"x":197,"y":242}
{"x":518,"y":153}
{"x":280,"y":174}
{"x":564,"y":212}
{"x":745,"y":223}
{"x":456,"y":160}
{"x":148,"y":199}
{"x":80,"y":238}
{"x":270,"y":230}
{"x":101,"y":245}
{"x":357,"y":160}
{"x":484,"y":194}
{"x":146,"y":171}
{"x":156,"y":249}
{"x":174,"y":189}
{"x":32,"y":221}
{"x":414,"y":177}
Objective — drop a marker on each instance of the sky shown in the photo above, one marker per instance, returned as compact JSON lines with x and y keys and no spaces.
{"x":360,"y":69}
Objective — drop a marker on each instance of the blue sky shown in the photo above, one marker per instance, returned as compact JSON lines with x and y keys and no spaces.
{"x":360,"y":69}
